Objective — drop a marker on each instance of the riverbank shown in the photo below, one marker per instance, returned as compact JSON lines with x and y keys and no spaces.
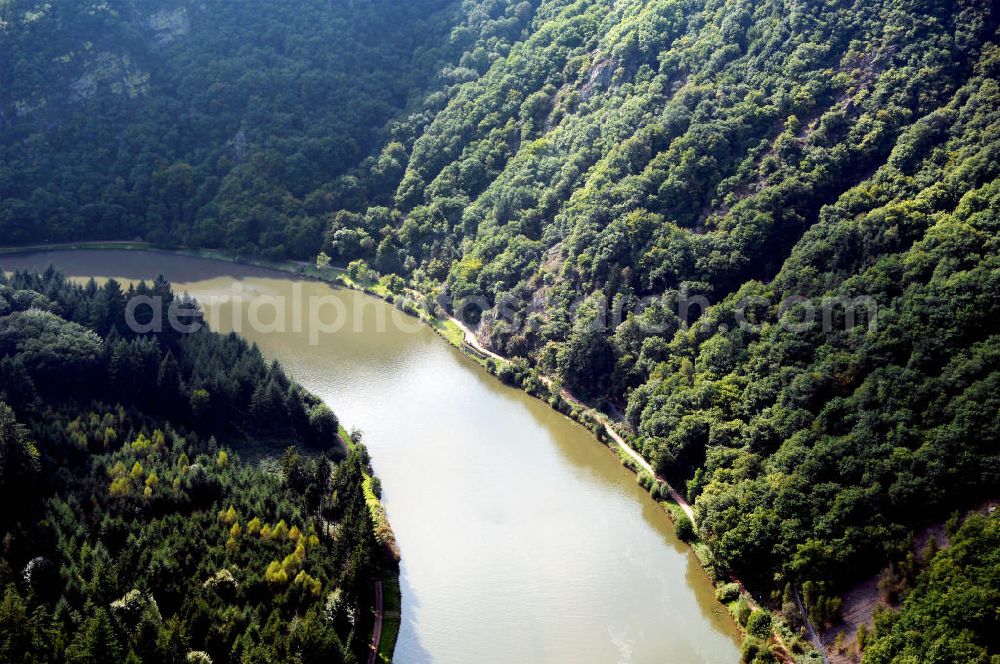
{"x":388,"y":596}
{"x":299,"y":268}
{"x":516,"y":373}
{"x":788,"y":645}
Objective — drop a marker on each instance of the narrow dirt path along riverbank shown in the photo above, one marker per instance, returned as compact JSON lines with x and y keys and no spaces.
{"x":505,"y":511}
{"x":603,"y":419}
{"x":377,"y":631}
{"x":472,"y":340}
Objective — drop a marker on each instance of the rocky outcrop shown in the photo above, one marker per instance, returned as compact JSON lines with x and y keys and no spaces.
{"x":90,"y":69}
{"x":117,"y":72}
{"x":168,"y":25}
{"x":598,"y":78}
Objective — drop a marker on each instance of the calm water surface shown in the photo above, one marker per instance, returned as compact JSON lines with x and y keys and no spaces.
{"x":523,"y":540}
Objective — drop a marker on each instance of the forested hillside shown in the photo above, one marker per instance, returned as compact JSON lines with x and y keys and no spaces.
{"x":627,"y":155}
{"x":222,"y":124}
{"x":565,"y":174}
{"x":950,"y":614}
{"x":132,"y":530}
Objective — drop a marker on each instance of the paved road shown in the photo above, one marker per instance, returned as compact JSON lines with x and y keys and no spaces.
{"x":377,"y":631}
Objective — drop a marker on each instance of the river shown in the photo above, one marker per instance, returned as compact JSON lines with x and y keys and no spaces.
{"x":522,"y":538}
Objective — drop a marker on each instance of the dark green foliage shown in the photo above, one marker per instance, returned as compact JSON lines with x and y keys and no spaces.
{"x":743,"y":611}
{"x":824,"y":610}
{"x":209,"y":381}
{"x":587,"y":358}
{"x":131,"y":533}
{"x":755,"y":651}
{"x":572,"y":179}
{"x":19,"y":457}
{"x":759,"y":625}
{"x":683,"y":528}
{"x":229,"y":124}
{"x":49,"y":347}
{"x":324,"y":426}
{"x":96,"y":642}
{"x":625,"y":157}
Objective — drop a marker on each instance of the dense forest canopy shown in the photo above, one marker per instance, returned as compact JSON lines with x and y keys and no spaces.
{"x":627,"y":155}
{"x":564,"y":174}
{"x":132,"y":530}
{"x":224,"y":124}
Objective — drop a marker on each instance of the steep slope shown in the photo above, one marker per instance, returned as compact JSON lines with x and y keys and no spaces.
{"x":630,"y":163}
{"x":224,"y":124}
{"x":950,"y":615}
{"x":765,"y":231}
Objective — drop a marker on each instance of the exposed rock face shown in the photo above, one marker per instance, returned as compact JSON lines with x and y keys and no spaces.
{"x":89,"y":71}
{"x":115,"y":71}
{"x":168,"y":25}
{"x":23,"y":107}
{"x":239,"y":144}
{"x":599,"y":78}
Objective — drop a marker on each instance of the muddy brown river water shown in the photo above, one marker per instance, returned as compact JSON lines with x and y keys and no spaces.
{"x":523,"y":540}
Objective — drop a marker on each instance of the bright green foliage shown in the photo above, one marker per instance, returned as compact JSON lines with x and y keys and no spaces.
{"x":683,"y":528}
{"x":359,"y":272}
{"x":626,"y":155}
{"x":728,"y":592}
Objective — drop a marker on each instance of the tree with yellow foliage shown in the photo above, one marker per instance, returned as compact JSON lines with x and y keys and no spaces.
{"x":235,"y":533}
{"x":119,"y":487}
{"x":141,"y":444}
{"x":291,"y":564}
{"x":275,"y":574}
{"x":310,"y":584}
{"x":228,"y":517}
